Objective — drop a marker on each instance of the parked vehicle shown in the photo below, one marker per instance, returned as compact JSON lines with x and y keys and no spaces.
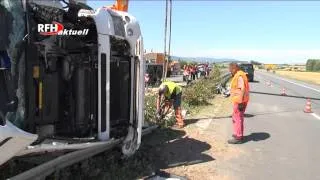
{"x":248,"y":68}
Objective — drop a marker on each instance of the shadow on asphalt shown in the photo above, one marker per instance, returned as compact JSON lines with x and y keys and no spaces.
{"x":162,"y":149}
{"x":161,"y":175}
{"x":255,"y":81}
{"x":171,"y":148}
{"x":289,"y":96}
{"x":192,"y":121}
{"x":249,"y":115}
{"x":258,"y":136}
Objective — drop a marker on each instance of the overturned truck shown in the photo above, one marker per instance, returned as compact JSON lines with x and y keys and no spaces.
{"x":76,"y":76}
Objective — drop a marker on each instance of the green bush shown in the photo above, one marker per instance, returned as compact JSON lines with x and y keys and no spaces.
{"x":202,"y":90}
{"x":198,"y":93}
{"x":313,"y":65}
{"x":150,"y":108}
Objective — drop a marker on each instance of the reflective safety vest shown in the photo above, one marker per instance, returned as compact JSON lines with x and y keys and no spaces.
{"x":236,"y":96}
{"x":171,"y":86}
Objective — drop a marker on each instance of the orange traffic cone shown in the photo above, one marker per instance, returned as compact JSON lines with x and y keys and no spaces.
{"x":307,"y":109}
{"x":283,"y":93}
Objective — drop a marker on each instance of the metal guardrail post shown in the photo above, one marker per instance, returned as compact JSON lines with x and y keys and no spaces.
{"x":225,"y":78}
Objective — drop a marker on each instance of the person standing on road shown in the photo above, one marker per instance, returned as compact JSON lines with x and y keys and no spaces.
{"x":171,"y":92}
{"x":192,"y":70}
{"x":189,"y":76}
{"x":240,"y":98}
{"x":195,"y":72}
{"x":207,"y":71}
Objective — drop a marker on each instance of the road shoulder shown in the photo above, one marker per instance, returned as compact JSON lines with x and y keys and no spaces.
{"x":211,"y":125}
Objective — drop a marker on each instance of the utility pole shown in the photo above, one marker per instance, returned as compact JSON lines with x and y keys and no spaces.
{"x":168,"y":12}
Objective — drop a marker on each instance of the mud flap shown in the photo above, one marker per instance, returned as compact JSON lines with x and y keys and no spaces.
{"x":13,"y":140}
{"x":130,"y":144}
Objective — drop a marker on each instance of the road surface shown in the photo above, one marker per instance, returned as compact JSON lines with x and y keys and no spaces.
{"x":282,"y":140}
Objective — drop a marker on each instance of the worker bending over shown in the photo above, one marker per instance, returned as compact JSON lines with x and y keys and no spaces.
{"x":171,"y":92}
{"x":239,"y":97}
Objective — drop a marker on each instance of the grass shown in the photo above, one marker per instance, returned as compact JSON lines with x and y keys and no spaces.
{"x":312,"y":77}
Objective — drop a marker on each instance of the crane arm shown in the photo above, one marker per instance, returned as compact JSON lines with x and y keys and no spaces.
{"x":120,"y":5}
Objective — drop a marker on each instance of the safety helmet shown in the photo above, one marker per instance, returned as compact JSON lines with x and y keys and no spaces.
{"x":163,"y":88}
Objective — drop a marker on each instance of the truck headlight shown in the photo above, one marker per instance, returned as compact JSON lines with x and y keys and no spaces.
{"x":130,"y":32}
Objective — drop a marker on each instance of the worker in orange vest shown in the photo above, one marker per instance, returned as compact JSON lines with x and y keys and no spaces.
{"x":240,"y":97}
{"x":188,"y":72}
{"x":193,"y":72}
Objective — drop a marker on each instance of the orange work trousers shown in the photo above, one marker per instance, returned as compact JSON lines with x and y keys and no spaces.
{"x":177,"y":110}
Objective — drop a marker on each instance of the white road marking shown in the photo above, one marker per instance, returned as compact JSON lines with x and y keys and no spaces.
{"x":315,"y":115}
{"x":298,"y":84}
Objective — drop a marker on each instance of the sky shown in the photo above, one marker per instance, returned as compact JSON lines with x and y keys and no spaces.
{"x":265,"y":31}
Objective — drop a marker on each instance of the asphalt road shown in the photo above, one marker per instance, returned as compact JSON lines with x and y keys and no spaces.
{"x":282,"y":140}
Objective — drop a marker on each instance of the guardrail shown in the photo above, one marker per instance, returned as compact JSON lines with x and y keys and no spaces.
{"x":225,"y":78}
{"x":221,"y":88}
{"x":47,"y":168}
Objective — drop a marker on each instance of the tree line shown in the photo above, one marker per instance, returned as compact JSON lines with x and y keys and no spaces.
{"x":313,"y":65}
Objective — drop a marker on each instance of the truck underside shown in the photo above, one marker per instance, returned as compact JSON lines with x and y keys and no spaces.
{"x":58,"y":82}
{"x":62,"y":79}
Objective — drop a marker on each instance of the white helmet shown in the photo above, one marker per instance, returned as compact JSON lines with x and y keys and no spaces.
{"x":163,"y":88}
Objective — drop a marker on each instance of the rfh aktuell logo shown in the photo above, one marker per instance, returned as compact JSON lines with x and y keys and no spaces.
{"x":58,"y":29}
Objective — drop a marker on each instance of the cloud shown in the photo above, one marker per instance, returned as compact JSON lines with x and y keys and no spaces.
{"x":262,"y":55}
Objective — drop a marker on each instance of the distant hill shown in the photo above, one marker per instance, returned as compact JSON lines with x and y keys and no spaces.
{"x":204,"y":59}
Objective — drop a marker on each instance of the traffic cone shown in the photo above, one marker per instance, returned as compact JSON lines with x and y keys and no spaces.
{"x":307,"y":109}
{"x":283,"y":93}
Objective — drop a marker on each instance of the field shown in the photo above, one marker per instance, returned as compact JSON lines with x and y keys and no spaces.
{"x":313,"y":77}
